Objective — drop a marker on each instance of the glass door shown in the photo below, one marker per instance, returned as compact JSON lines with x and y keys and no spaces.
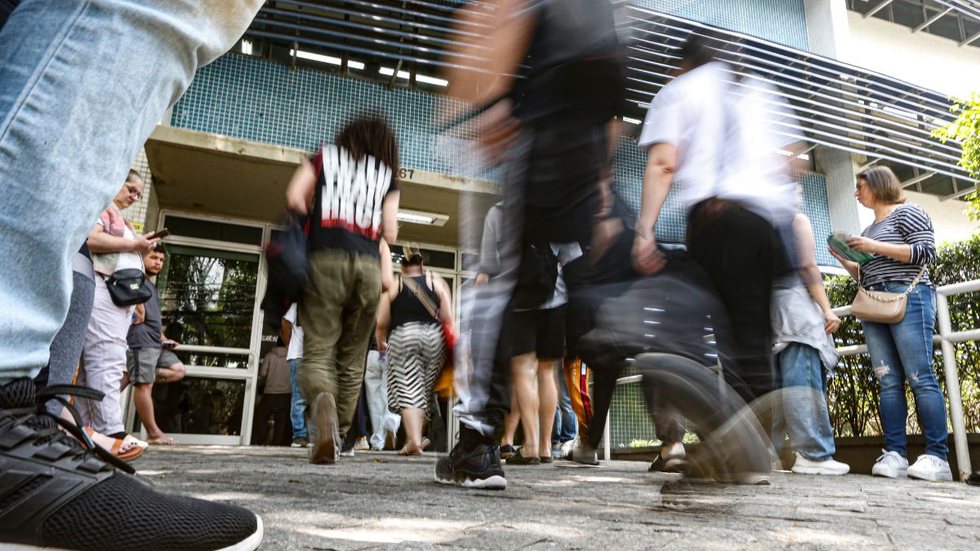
{"x":209,"y":301}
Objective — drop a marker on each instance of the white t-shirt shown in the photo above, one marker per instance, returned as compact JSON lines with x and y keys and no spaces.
{"x":726,"y":135}
{"x":295,"y":350}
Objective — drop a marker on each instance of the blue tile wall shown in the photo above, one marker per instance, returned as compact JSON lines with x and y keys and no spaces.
{"x":258,"y":100}
{"x":781,"y":21}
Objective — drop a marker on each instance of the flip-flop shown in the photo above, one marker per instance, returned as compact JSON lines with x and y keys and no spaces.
{"x":124,"y":449}
{"x":166,"y":441}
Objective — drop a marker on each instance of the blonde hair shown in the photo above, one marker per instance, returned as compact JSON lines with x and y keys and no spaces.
{"x":883,"y":184}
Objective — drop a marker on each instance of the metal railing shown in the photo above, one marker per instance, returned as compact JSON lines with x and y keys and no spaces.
{"x":946,"y":338}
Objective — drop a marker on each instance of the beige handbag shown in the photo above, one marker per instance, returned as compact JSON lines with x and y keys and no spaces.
{"x":880,"y":306}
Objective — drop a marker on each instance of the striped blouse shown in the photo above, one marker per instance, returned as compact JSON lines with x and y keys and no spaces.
{"x":908,"y":225}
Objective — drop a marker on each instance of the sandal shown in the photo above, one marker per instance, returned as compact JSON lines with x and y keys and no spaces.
{"x":507,"y":451}
{"x":518,"y":459}
{"x":126,"y":449}
{"x":165,"y":441}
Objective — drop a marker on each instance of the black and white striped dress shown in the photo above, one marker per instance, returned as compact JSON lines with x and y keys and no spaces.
{"x":906,"y":225}
{"x":416,"y":351}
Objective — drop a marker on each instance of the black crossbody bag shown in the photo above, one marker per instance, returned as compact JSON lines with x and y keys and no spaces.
{"x":128,"y":287}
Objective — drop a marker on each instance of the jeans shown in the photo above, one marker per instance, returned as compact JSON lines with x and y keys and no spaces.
{"x":902,"y":352}
{"x":566,"y":423}
{"x":297,"y":405}
{"x":804,"y":415}
{"x":69,"y":68}
{"x":376,"y":387}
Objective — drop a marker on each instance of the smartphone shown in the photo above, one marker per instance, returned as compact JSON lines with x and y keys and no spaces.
{"x":159,"y":234}
{"x":169,"y":344}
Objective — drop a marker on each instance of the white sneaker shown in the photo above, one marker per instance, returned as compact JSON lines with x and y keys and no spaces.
{"x":362,"y":444}
{"x":673,"y":456}
{"x":930,"y":467}
{"x":890,"y":464}
{"x":830,"y":467}
{"x":566,"y":448}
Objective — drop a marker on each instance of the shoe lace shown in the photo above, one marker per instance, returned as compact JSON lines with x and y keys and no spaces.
{"x":48,"y":427}
{"x":888,"y":457}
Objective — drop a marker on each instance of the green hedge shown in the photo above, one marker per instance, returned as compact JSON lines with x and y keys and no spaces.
{"x":853,"y":391}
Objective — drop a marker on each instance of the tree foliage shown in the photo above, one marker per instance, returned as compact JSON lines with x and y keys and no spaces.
{"x":966,"y":130}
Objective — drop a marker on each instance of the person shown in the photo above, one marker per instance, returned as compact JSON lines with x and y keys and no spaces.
{"x":291,"y":333}
{"x":802,"y":323}
{"x":150,"y":357}
{"x":115,"y":246}
{"x":409,"y":331}
{"x":903,"y":243}
{"x":565,"y":429}
{"x":384,"y":423}
{"x":554,"y":139}
{"x":719,"y":149}
{"x":50,"y":162}
{"x":351,"y":194}
{"x":274,"y":379}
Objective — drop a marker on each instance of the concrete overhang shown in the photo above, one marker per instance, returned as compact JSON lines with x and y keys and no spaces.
{"x":220,"y":175}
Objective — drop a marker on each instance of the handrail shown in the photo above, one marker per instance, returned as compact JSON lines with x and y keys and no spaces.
{"x":945,"y":338}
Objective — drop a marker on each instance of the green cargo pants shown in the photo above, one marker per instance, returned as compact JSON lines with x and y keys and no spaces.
{"x":337,"y":316}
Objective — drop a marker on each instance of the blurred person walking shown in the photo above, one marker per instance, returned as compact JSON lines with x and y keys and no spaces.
{"x":409,"y":331}
{"x":903,"y":243}
{"x":136,"y":59}
{"x":384,"y":423}
{"x":350,"y":210}
{"x":553,"y":130}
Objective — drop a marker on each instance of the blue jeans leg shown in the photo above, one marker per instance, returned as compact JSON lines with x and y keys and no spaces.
{"x":566,"y":423}
{"x":804,"y":413}
{"x":82,"y":84}
{"x":297,"y":405}
{"x":902,"y":352}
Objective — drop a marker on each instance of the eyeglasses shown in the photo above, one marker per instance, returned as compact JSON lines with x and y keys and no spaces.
{"x":135,"y":192}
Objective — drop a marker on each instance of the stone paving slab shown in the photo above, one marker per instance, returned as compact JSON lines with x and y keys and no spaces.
{"x":384,"y":501}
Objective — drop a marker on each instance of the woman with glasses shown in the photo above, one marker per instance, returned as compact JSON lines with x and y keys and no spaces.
{"x":114,"y":245}
{"x":903,"y":244}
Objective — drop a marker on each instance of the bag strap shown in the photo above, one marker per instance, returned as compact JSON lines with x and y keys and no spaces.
{"x":877,"y":297}
{"x":413,"y":286}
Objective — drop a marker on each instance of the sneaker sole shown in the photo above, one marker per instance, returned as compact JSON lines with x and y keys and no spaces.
{"x":495,"y":482}
{"x":818,"y":471}
{"x":939,"y":478}
{"x":897,"y":474}
{"x":248,"y":544}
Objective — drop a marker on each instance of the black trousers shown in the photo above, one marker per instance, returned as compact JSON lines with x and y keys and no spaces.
{"x":277,"y":406}
{"x":739,"y":250}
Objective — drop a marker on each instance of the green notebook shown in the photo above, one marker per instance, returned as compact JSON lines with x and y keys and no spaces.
{"x":838,"y":242}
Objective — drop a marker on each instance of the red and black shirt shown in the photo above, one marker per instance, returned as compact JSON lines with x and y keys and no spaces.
{"x":346,"y":211}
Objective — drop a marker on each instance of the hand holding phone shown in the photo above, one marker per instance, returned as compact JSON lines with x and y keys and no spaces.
{"x":169,"y":344}
{"x":158,"y":234}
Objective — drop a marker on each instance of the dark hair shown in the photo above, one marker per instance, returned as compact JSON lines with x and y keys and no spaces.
{"x":696,"y":51}
{"x":159,"y":248}
{"x":134,"y":176}
{"x":883,"y":184}
{"x":370,"y":135}
{"x":280,"y":342}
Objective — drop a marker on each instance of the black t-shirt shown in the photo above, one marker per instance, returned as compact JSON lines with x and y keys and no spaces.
{"x":347,"y":205}
{"x":148,"y":333}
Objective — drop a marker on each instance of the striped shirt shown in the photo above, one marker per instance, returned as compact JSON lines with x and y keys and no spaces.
{"x":906,"y":225}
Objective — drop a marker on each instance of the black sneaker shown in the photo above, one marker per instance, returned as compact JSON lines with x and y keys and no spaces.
{"x":56,"y":492}
{"x":479,"y":468}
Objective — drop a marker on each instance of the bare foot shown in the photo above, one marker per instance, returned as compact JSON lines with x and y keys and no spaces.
{"x":160,"y":439}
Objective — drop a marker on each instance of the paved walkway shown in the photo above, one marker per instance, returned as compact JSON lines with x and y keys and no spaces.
{"x":381,"y":500}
